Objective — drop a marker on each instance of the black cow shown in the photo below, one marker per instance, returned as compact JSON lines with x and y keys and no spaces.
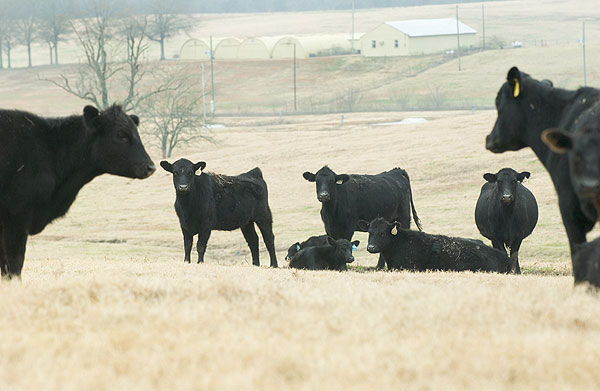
{"x":346,"y":199}
{"x":208,"y":201}
{"x":334,"y":255}
{"x":587,"y":259}
{"x":415,"y":250}
{"x":583,"y":149}
{"x":310,"y":242}
{"x":506,"y":211}
{"x":526,"y":107}
{"x":46,"y":161}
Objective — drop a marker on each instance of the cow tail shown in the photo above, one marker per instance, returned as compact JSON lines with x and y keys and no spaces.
{"x":412,"y":204}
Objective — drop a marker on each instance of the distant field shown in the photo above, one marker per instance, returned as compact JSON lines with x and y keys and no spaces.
{"x":106,"y":301}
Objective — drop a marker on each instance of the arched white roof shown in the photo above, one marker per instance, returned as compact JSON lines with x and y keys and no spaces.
{"x":256,"y":48}
{"x":312,"y":45}
{"x":194,"y":49}
{"x":227,"y":48}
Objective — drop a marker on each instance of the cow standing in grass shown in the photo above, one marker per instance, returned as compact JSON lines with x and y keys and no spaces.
{"x":208,"y":202}
{"x":506,"y":211}
{"x":419,"y":251}
{"x":526,"y":107}
{"x":346,"y":199}
{"x":44,"y":162}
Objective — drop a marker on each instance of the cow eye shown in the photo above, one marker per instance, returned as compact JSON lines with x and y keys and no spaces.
{"x":122,"y":137}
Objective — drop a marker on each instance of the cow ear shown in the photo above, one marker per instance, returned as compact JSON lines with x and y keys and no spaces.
{"x":341,"y":179}
{"x":309,"y":176}
{"x":355,"y":244}
{"x":490,"y":177}
{"x":166,"y":166}
{"x":90,"y":112}
{"x":557,"y":140}
{"x":135,"y":119}
{"x":522,"y":175}
{"x":199,"y":166}
{"x":297,"y":245}
{"x":362,"y":225}
{"x":394,"y":230}
{"x":331,"y":241}
{"x":514,"y":80}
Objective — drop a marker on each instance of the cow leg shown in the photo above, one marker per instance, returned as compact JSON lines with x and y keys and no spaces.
{"x":14,"y":238}
{"x":252,"y":240}
{"x":266,"y":230}
{"x":188,"y":240}
{"x":499,"y":245}
{"x":3,"y":260}
{"x":201,"y":245}
{"x":576,"y":233}
{"x":380,"y":263}
{"x":514,"y":257}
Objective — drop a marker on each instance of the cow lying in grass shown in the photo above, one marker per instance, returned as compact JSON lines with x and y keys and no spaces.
{"x":208,"y":201}
{"x":332,"y":256}
{"x":310,"y":242}
{"x":419,"y":251}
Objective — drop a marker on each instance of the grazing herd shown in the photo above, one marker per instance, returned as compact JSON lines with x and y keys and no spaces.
{"x":46,"y":161}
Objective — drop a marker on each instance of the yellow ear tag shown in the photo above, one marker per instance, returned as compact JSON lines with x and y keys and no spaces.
{"x":340,"y":181}
{"x":517,"y":89}
{"x":395,"y":230}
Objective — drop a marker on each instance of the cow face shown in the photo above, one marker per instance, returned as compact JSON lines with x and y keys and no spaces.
{"x":327,"y":182}
{"x":583,"y":147}
{"x":293,"y":250}
{"x":510,"y":126}
{"x":381,"y":234}
{"x":117,"y":148}
{"x":184,"y":173}
{"x":342,"y":253}
{"x":506,"y":181}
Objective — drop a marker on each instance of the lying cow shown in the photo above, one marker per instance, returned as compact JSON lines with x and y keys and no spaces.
{"x":310,"y":242}
{"x":415,"y":250}
{"x":208,"y":201}
{"x":346,"y":199}
{"x":44,"y":163}
{"x":506,"y":211}
{"x":587,"y":259}
{"x":526,"y":107}
{"x":332,"y":256}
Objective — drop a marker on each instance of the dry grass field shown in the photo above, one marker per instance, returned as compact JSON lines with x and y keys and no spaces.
{"x":106,"y":301}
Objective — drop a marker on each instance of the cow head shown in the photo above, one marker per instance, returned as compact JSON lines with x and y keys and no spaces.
{"x":117,"y":148}
{"x":583,"y":148}
{"x":510,"y":127}
{"x":381,"y":233}
{"x":327,"y":182}
{"x":184,"y":173}
{"x":506,"y":181}
{"x":342,"y":253}
{"x":293,"y":250}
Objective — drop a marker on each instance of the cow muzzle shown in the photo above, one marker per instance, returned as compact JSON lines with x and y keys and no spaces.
{"x":146,"y":170}
{"x":372,"y":249}
{"x":323,"y":197}
{"x":506,"y":199}
{"x":183,"y":188}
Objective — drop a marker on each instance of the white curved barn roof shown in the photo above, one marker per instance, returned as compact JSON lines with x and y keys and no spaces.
{"x":227,"y":48}
{"x":311,"y":45}
{"x":429,"y":27}
{"x":256,"y":48}
{"x":194,"y":49}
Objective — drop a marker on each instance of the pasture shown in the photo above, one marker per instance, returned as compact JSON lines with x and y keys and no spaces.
{"x":107,"y":302}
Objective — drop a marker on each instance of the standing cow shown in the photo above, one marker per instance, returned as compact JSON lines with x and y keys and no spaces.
{"x":506,"y":211}
{"x":526,"y":107}
{"x":208,"y":201}
{"x":44,"y":162}
{"x":346,"y":199}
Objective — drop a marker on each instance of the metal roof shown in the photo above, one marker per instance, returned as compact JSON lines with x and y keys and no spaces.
{"x":428,"y":27}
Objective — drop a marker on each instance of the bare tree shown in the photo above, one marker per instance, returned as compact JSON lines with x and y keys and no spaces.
{"x":26,"y":25}
{"x":7,"y":38}
{"x":175,"y":117}
{"x":164,"y":21}
{"x":54,"y":24}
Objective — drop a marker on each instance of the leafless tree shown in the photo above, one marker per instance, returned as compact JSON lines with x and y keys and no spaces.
{"x":164,"y":21}
{"x":26,"y":24}
{"x":7,"y":38}
{"x":175,"y":117}
{"x":54,"y":24}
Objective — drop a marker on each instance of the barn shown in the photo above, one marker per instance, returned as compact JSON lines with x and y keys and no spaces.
{"x":194,"y":49}
{"x":416,"y":37}
{"x":311,"y":46}
{"x":256,"y":48}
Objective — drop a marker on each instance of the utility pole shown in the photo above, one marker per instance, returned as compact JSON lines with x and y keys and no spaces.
{"x":294,"y":78}
{"x":458,"y":37}
{"x":483,"y":25}
{"x":584,"y":62}
{"x":352,"y":41}
{"x":212,"y":81}
{"x":203,"y":98}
